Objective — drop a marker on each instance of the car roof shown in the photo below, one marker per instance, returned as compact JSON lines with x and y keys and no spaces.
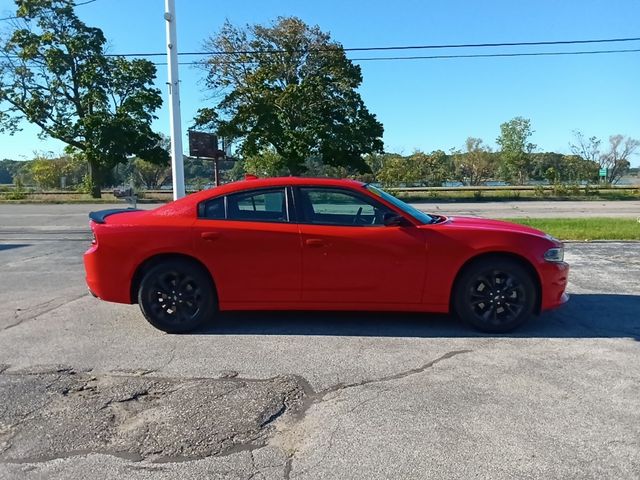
{"x":278,"y":181}
{"x":253,"y":183}
{"x":183,"y":205}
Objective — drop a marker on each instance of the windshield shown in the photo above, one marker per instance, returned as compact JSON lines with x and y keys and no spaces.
{"x":414,"y":212}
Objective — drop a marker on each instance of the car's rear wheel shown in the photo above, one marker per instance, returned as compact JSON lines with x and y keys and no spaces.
{"x":495,"y":295}
{"x":176,"y":296}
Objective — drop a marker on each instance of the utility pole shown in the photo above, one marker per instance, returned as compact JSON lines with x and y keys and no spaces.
{"x":175,"y":122}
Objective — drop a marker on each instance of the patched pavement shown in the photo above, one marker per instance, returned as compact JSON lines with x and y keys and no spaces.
{"x":58,"y":412}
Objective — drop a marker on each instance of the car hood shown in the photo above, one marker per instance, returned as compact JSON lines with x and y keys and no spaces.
{"x":478,"y":223}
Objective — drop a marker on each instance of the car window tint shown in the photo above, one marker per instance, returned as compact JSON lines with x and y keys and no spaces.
{"x":337,"y":207}
{"x":264,"y":206}
{"x":214,"y":209}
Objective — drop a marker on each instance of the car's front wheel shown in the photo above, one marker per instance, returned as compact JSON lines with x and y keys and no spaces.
{"x":495,"y":295}
{"x":176,"y":296}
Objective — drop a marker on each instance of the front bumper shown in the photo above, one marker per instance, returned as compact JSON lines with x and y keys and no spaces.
{"x":554,"y":278}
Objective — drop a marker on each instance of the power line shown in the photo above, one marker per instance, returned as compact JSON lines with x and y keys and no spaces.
{"x":494,"y":55}
{"x":437,"y":57}
{"x":482,"y":45}
{"x":477,"y":55}
{"x":387,"y":48}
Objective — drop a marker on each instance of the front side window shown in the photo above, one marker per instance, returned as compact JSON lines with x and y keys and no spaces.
{"x":422,"y":217}
{"x":340,"y":207}
{"x":260,"y":206}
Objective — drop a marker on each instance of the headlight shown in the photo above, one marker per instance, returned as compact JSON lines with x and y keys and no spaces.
{"x":554,"y":254}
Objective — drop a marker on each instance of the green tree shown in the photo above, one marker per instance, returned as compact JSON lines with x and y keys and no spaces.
{"x":515,"y":148}
{"x":289,"y":88}
{"x":556,"y":167}
{"x":375,"y":161}
{"x":419,"y":168}
{"x":55,"y":75}
{"x":546,"y":165}
{"x":8,"y":170}
{"x":48,"y":172}
{"x":267,"y":163}
{"x":574,"y":167}
{"x":151,"y":175}
{"x":396,"y":171}
{"x":435,"y":168}
{"x":476,"y":164}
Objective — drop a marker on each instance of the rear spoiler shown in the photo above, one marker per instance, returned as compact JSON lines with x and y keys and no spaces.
{"x":101,"y":215}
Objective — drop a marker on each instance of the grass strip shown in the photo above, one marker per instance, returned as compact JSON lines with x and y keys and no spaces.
{"x":585,"y":229}
{"x":518,"y":195}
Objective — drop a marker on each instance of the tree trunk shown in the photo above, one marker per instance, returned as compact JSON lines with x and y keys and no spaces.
{"x":96,"y":179}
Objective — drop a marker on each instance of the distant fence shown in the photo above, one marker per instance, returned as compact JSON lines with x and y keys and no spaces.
{"x":166,"y":195}
{"x":507,"y":188}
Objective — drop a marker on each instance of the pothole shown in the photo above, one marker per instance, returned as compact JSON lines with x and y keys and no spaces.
{"x":56,"y":413}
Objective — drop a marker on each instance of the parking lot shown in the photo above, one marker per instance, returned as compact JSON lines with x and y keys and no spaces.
{"x":90,"y":390}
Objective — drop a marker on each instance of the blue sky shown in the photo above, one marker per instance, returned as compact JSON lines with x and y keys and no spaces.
{"x":423,"y":104}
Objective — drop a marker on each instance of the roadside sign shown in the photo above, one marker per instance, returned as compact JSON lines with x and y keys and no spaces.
{"x":603,"y":172}
{"x":202,"y":144}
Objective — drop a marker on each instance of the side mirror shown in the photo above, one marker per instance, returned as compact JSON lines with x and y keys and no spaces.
{"x":394,"y":220}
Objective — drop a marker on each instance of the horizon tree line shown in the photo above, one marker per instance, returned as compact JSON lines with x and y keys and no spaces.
{"x":285,"y":93}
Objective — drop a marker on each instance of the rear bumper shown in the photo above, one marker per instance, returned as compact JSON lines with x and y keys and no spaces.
{"x":105,"y":279}
{"x":553,"y":279}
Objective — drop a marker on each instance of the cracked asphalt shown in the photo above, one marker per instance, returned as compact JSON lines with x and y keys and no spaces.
{"x":89,"y":390}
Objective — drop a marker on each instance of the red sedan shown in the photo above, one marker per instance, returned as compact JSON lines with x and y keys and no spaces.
{"x":319,"y":244}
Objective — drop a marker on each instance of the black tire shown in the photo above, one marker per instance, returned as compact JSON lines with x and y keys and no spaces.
{"x":495,"y":295}
{"x":177,"y":296}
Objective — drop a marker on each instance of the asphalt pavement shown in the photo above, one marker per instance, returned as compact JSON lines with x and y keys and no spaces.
{"x":89,"y":390}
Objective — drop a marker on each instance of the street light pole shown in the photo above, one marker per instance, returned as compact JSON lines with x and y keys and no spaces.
{"x":177,"y":162}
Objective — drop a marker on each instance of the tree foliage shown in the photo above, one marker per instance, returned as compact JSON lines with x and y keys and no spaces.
{"x":476,"y":164}
{"x":559,"y":168}
{"x":267,"y":163}
{"x":515,"y":148}
{"x":150,"y":175}
{"x":55,"y":75}
{"x":47,"y":173}
{"x":9,"y":170}
{"x":290,"y":89}
{"x":417,"y":169}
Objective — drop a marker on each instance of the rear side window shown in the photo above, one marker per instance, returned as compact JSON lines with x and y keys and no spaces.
{"x":214,"y":209}
{"x":258,"y":206}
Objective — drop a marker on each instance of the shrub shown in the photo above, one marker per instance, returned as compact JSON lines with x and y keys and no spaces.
{"x":560,"y":190}
{"x":18,"y":192}
{"x":573,"y":189}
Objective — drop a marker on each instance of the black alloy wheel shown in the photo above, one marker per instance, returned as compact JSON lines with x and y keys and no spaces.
{"x":176,"y":296}
{"x":495,"y":295}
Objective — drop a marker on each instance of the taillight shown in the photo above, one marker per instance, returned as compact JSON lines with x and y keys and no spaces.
{"x":94,"y":240}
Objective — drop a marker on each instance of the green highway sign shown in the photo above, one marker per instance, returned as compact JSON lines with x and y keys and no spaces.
{"x":603,"y":172}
